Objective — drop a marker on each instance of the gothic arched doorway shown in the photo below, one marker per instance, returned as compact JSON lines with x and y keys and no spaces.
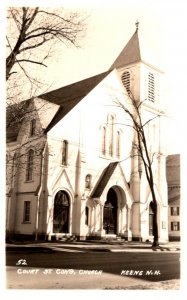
{"x":110,"y":213}
{"x":61,"y":213}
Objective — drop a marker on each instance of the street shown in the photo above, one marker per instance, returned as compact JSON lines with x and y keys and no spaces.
{"x":45,"y":268}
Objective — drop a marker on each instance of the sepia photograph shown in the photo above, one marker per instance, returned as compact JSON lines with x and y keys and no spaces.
{"x":93,"y":146}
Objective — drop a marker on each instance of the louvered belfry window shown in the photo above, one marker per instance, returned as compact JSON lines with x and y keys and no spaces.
{"x":151,"y":87}
{"x":126,"y":81}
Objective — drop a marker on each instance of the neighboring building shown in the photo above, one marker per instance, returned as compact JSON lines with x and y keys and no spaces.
{"x":72,"y":166}
{"x":173,"y":179}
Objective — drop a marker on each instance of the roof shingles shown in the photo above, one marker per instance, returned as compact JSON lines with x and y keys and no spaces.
{"x":129,"y":54}
{"x":103,"y":180}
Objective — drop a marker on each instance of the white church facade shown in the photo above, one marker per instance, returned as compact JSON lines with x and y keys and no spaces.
{"x":72,"y":170}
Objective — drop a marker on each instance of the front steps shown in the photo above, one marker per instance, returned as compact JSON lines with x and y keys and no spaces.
{"x":73,"y":238}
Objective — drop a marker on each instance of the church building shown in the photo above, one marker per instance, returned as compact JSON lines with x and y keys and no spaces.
{"x":72,"y":168}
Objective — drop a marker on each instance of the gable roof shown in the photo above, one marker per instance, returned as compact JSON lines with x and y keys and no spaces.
{"x":26,"y":110}
{"x":129,"y":54}
{"x":69,"y":96}
{"x":103,"y":180}
{"x":66,"y":98}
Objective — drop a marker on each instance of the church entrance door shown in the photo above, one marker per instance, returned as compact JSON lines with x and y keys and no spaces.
{"x":61,"y":213}
{"x":110,"y":213}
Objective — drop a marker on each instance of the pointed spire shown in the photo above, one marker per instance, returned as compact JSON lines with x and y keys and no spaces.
{"x":131,"y":52}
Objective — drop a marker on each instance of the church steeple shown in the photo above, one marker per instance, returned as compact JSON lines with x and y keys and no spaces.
{"x":135,"y":67}
{"x":131,"y":53}
{"x":137,"y":24}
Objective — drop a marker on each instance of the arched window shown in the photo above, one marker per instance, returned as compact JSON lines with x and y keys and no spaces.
{"x":65,"y":152}
{"x":30,"y":161}
{"x":151,"y":87}
{"x":111,"y":137}
{"x":104,"y":141}
{"x":118,"y":144}
{"x":61,"y":213}
{"x":126,"y":81}
{"x":33,"y":127}
{"x":88,"y":181}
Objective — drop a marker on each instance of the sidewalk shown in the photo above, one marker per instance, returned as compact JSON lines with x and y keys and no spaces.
{"x":92,"y":245}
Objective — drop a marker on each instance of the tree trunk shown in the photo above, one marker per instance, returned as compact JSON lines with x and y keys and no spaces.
{"x":155,"y":223}
{"x":155,"y":228}
{"x":9,"y":64}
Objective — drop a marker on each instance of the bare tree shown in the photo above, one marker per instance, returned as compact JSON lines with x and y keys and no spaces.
{"x":36,"y":27}
{"x":33,"y":34}
{"x":133,"y":109}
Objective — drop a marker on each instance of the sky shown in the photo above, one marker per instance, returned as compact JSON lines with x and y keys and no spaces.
{"x":162,"y":27}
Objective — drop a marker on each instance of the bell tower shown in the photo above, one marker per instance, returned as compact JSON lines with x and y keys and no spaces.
{"x":139,"y":77}
{"x":142,"y":82}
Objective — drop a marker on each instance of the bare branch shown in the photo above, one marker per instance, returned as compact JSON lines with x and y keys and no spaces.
{"x":36,"y":27}
{"x":31,"y":19}
{"x":36,"y":45}
{"x":30,"y":61}
{"x":150,"y":120}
